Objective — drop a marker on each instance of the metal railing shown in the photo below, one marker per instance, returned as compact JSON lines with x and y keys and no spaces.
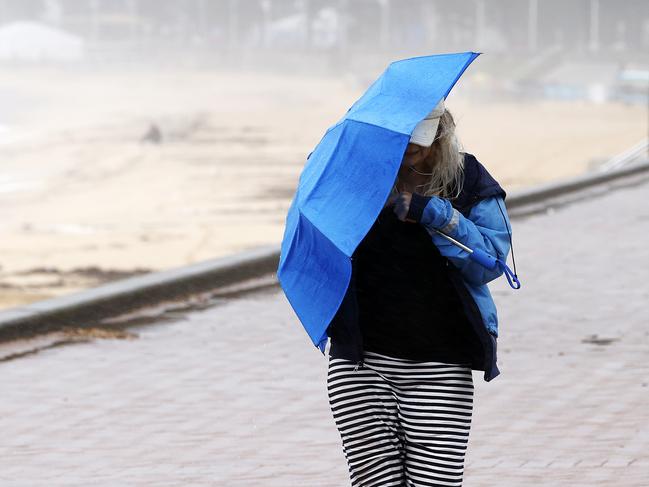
{"x":634,"y":154}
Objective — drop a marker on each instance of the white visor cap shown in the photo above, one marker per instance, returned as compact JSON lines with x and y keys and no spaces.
{"x":425,"y":131}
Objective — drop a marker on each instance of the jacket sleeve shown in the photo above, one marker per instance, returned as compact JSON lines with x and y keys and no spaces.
{"x":485,"y":229}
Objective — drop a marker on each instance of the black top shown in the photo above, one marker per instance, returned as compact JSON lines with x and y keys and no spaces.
{"x":408,"y":307}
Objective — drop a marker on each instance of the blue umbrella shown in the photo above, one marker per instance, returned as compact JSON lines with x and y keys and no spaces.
{"x":347,"y":179}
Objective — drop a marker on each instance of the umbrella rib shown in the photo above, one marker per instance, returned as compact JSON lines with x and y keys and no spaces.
{"x":320,"y":231}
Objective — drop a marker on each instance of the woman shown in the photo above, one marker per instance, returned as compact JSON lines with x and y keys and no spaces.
{"x":418,"y":317}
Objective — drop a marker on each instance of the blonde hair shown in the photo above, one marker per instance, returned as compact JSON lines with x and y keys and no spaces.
{"x":445,"y":162}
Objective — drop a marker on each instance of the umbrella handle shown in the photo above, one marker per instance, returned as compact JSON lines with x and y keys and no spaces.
{"x":484,"y":259}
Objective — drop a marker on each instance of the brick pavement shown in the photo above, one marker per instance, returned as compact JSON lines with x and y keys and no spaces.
{"x":235,"y":395}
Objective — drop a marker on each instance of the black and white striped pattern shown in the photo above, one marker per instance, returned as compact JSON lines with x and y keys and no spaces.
{"x":402,"y":422}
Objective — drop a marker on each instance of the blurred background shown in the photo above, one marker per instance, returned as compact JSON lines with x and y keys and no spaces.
{"x":140,"y":135}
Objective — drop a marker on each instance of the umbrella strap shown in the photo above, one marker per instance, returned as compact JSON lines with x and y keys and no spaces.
{"x":509,"y":274}
{"x":507,"y":270}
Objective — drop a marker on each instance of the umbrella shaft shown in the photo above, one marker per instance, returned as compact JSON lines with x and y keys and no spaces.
{"x":453,"y":241}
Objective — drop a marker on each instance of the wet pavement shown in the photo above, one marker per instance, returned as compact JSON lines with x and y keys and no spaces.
{"x":235,"y":395}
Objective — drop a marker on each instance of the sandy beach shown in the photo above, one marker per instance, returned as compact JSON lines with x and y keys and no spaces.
{"x":83,"y":200}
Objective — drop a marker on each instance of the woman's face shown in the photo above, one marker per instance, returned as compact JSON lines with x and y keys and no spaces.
{"x":414,"y":155}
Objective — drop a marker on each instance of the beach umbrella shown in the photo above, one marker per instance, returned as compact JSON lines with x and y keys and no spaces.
{"x":347,"y":179}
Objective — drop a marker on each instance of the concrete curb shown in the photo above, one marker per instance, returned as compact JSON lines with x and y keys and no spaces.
{"x":89,"y":307}
{"x":546,"y":193}
{"x":93,"y":305}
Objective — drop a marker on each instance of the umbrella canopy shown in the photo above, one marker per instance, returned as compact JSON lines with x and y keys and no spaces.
{"x":347,"y":179}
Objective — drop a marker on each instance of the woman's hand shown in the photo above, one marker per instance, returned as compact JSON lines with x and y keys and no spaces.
{"x":401,"y":205}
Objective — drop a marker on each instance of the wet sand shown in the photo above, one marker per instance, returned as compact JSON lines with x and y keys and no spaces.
{"x":84,"y":201}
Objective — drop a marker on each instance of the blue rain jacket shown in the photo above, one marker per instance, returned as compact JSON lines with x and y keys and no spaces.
{"x":485,"y":228}
{"x":477,"y":218}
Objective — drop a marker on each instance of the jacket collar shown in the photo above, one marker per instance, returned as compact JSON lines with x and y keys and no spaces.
{"x":478,"y":185}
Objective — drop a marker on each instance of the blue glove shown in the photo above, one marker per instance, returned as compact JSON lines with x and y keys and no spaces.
{"x":430,"y":211}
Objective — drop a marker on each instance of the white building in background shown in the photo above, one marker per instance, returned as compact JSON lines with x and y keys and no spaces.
{"x":26,"y":41}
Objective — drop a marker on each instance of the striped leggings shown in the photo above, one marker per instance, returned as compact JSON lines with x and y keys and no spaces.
{"x":402,"y":422}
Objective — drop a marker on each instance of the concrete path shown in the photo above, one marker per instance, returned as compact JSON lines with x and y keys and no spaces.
{"x":235,"y":395}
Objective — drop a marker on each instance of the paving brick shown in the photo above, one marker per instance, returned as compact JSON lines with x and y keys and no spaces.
{"x":235,"y":395}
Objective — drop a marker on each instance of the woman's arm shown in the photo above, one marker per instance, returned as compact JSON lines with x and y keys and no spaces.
{"x":485,"y":229}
